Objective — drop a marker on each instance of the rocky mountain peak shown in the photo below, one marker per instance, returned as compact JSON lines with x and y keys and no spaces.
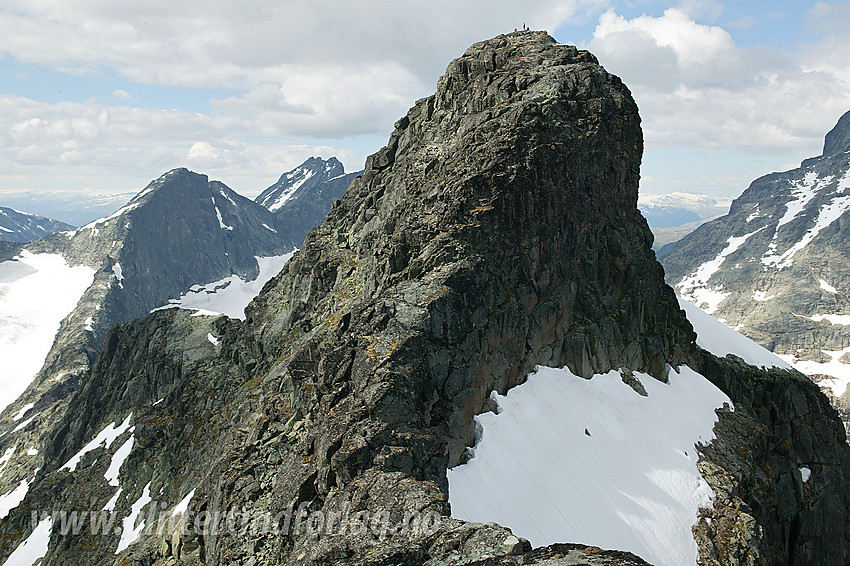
{"x":179,"y":181}
{"x":838,"y":139}
{"x":496,"y":232}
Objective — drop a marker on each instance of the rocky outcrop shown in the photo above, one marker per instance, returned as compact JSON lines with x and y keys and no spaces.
{"x":497,"y":230}
{"x":778,"y":468}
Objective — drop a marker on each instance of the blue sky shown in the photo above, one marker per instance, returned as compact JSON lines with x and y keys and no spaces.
{"x":101,"y":97}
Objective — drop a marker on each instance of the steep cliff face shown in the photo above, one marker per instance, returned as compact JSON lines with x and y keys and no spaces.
{"x":497,"y":230}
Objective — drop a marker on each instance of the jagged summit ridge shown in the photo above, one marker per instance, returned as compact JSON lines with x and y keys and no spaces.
{"x":314,"y":168}
{"x":301,"y":198}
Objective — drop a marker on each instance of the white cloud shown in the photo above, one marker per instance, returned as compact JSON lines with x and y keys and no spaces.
{"x":222,"y":43}
{"x":107,"y":145}
{"x":320,"y":70}
{"x":697,"y":88}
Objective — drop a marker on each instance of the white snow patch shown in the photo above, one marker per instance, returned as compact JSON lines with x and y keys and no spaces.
{"x":230,"y":295}
{"x":9,"y":501}
{"x":198,"y":312}
{"x":755,"y":214}
{"x":114,"y":215}
{"x":110,"y":505}
{"x":802,"y":192}
{"x":158,"y":402}
{"x":839,"y":372}
{"x":267,"y":227}
{"x":24,"y":424}
{"x":842,"y":319}
{"x":827,"y":215}
{"x":225,"y":195}
{"x":20,"y":414}
{"x":34,"y":548}
{"x":131,"y":532}
{"x":89,"y":322}
{"x":6,"y":456}
{"x":32,"y":451}
{"x":695,"y":287}
{"x":719,"y":339}
{"x":112,"y":472}
{"x":181,"y":507}
{"x":104,"y":438}
{"x":805,"y":474}
{"x":119,"y":274}
{"x":213,"y":340}
{"x":304,"y":174}
{"x":827,"y":287}
{"x":36,"y":292}
{"x":762,"y":296}
{"x":221,"y":223}
{"x":591,"y":460}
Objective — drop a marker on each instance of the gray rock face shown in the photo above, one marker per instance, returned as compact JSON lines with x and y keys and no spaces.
{"x":301,"y":198}
{"x":838,"y":139}
{"x":777,"y":267}
{"x":16,"y":226}
{"x":497,"y":230}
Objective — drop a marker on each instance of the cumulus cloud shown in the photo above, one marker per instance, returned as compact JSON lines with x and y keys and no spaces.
{"x":697,"y":88}
{"x":222,"y":43}
{"x":322,"y":70}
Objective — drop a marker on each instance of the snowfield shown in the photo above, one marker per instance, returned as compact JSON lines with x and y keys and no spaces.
{"x":36,"y":292}
{"x":232,"y":294}
{"x":719,"y":339}
{"x":569,"y":459}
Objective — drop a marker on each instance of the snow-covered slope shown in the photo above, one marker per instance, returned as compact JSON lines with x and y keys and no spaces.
{"x":230,"y":295}
{"x":569,"y":459}
{"x":17,"y":226}
{"x":720,"y":340}
{"x":36,"y":292}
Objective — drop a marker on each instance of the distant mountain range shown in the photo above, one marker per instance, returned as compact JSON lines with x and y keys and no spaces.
{"x":674,"y":215}
{"x":71,"y":207}
{"x":17,"y":226}
{"x":777,"y":266}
